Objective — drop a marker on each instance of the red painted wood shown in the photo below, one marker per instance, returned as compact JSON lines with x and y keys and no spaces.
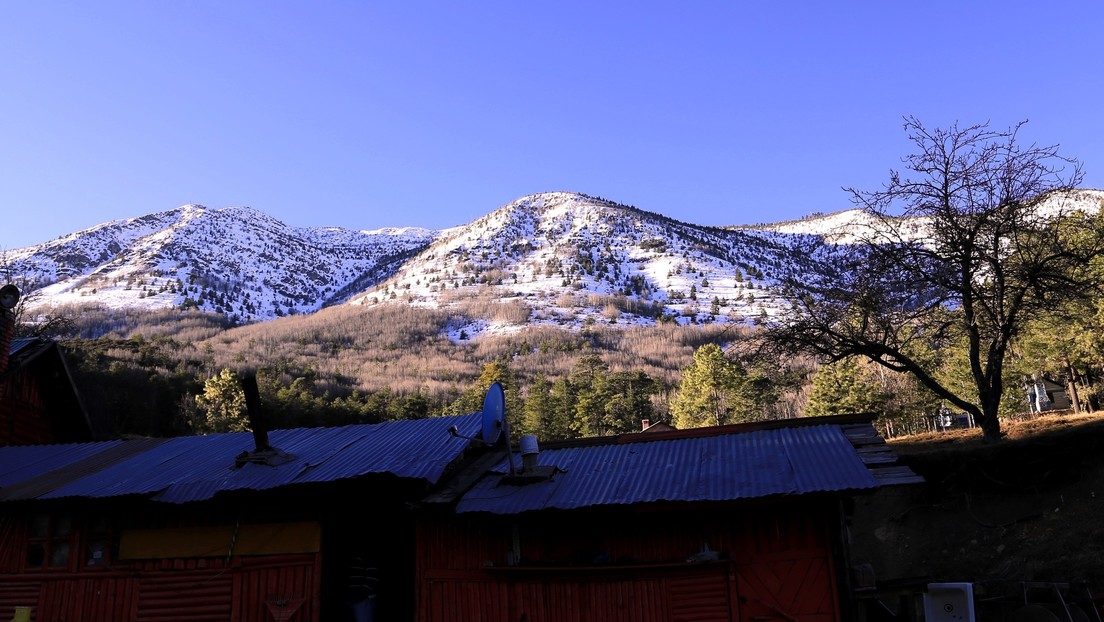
{"x":795,"y":589}
{"x":96,"y":598}
{"x":13,"y":593}
{"x":630,"y":565}
{"x":280,"y":579}
{"x":179,"y":596}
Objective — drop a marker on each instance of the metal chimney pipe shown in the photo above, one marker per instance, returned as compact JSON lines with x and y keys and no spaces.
{"x":529,"y":452}
{"x":257,"y":421}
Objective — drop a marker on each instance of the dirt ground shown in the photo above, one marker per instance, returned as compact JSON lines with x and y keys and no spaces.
{"x":1007,"y":516}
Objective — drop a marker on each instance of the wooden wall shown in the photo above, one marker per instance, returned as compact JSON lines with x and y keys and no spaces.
{"x":23,"y":416}
{"x":240,"y":588}
{"x":776,"y":562}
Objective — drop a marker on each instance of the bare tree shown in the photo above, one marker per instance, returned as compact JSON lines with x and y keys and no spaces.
{"x":972,"y":240}
{"x":27,"y":324}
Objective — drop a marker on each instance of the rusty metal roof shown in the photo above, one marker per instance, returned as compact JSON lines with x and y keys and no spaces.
{"x":710,"y":467}
{"x":195,"y":468}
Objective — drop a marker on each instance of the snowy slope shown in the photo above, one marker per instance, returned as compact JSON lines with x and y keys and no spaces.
{"x":569,"y":258}
{"x":561,"y":258}
{"x":236,"y":261}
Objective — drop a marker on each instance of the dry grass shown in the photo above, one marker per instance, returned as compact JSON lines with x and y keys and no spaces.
{"x":1026,"y":429}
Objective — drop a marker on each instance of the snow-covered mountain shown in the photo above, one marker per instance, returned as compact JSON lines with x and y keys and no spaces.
{"x":571,"y":258}
{"x":562,"y":258}
{"x":854,"y":224}
{"x":236,"y":261}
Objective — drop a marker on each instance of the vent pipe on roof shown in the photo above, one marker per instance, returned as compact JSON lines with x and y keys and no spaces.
{"x":531,"y":472}
{"x":529,"y":453}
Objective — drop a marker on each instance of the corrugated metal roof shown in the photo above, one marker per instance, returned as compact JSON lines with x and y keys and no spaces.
{"x":725,"y":467}
{"x":27,"y":348}
{"x":21,"y":463}
{"x":194,"y":468}
{"x":20,"y":343}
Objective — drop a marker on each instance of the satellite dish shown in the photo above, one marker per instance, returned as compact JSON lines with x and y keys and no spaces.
{"x":9,"y":297}
{"x":494,"y":413}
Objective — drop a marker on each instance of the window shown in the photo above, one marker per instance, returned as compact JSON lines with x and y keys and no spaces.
{"x":50,"y":541}
{"x":60,"y":542}
{"x":100,"y":545}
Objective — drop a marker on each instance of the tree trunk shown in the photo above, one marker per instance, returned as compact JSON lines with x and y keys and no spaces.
{"x":1071,"y":384}
{"x":987,"y":419}
{"x":990,"y":428}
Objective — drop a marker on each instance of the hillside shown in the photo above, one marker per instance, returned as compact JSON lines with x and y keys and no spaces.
{"x":558,"y":258}
{"x":235,"y":261}
{"x":1025,"y":509}
{"x":563,"y":258}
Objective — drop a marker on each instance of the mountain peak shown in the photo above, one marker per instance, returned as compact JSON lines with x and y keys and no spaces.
{"x":568,"y":258}
{"x":562,"y":258}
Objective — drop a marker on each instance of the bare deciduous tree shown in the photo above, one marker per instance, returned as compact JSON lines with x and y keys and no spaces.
{"x":971,"y":240}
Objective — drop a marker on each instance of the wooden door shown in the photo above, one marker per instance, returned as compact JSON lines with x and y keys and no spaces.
{"x":795,"y":588}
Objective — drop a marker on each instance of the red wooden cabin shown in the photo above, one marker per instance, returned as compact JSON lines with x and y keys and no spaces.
{"x":220,"y":527}
{"x":419,"y":520}
{"x":730,"y":523}
{"x":38,"y":402}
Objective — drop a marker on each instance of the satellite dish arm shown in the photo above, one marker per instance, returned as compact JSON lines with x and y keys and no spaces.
{"x":509,"y":453}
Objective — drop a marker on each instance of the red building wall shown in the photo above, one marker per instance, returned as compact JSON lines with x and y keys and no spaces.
{"x":776,"y":562}
{"x":23,"y":416}
{"x":239,"y":588}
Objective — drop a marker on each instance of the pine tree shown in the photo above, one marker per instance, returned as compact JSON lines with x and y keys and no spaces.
{"x":223,"y":400}
{"x":548,"y":410}
{"x":711,"y":391}
{"x":840,"y":388}
{"x":472,"y":399}
{"x":630,"y":400}
{"x":588,"y":383}
{"x":559,"y":423}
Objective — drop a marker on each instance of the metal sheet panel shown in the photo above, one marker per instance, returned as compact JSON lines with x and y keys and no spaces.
{"x":23,"y":462}
{"x":417,"y":449}
{"x":195,"y":468}
{"x":20,"y":343}
{"x":181,"y":460}
{"x":728,"y":467}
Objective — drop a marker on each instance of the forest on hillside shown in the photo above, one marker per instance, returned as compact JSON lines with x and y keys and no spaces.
{"x":177,"y":372}
{"x":173,"y":372}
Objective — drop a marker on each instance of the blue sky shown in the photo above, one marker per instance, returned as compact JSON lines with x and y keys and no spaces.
{"x":365,"y":114}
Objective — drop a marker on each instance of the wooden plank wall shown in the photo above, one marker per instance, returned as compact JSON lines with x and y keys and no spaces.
{"x":776,"y":561}
{"x":243,"y":589}
{"x":23,"y":419}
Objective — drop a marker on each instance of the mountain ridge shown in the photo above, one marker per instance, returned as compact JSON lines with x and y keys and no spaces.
{"x":558,"y":257}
